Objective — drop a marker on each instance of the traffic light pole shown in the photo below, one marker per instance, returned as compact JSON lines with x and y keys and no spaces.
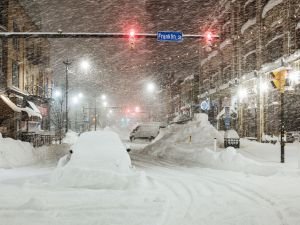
{"x":282,"y":142}
{"x":89,"y":35}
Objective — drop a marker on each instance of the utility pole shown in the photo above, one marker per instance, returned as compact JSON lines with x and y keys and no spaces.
{"x":67,"y":64}
{"x":282,"y":127}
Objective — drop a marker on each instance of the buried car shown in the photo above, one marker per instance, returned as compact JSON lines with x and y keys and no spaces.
{"x":145,"y":131}
{"x":99,"y":161}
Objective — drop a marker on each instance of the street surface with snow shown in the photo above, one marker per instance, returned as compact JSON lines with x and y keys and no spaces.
{"x":167,"y":182}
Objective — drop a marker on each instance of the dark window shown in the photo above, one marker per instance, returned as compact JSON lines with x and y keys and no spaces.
{"x":16,"y":42}
{"x":15,"y":74}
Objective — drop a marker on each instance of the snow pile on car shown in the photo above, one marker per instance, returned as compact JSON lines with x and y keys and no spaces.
{"x":70,"y":138}
{"x":99,"y":160}
{"x":15,"y":153}
{"x":174,"y":144}
{"x":199,"y":133}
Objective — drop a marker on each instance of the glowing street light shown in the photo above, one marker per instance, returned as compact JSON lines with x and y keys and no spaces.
{"x":103,"y":97}
{"x":150,"y":87}
{"x":137,"y":109}
{"x":57,"y":93}
{"x":85,"y":65}
{"x":80,"y":95}
{"x":104,"y":104}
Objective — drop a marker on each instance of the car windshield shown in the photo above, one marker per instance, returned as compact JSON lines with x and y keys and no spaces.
{"x":149,"y":112}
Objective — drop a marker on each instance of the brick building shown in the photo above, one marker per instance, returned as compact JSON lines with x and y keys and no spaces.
{"x":26,"y":79}
{"x":257,"y":37}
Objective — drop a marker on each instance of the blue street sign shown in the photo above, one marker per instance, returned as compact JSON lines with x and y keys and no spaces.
{"x":172,"y":36}
{"x":204,"y":105}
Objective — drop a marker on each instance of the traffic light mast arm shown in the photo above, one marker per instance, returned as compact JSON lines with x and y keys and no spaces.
{"x":89,"y":35}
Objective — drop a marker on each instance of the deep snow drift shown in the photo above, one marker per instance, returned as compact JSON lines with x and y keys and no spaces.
{"x":99,"y":160}
{"x":174,"y":144}
{"x":15,"y":153}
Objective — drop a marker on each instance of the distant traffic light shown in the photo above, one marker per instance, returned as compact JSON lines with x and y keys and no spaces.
{"x":132,"y":38}
{"x":132,"y":33}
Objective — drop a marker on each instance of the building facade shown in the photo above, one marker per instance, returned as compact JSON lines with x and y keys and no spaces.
{"x":26,"y":79}
{"x":256,"y":38}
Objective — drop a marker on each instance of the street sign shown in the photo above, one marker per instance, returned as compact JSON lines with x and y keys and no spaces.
{"x":170,"y":36}
{"x":204,"y":105}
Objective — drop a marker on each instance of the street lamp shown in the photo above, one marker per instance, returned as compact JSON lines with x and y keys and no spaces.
{"x":150,"y":87}
{"x":85,"y":65}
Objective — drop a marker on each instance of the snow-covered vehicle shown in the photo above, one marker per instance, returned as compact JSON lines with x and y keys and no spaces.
{"x":145,"y":131}
{"x":100,"y":149}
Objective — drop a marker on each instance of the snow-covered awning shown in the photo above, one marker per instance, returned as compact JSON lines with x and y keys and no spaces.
{"x":10,"y":104}
{"x":33,"y":111}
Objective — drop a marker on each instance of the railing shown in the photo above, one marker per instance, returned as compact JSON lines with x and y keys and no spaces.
{"x":38,"y":140}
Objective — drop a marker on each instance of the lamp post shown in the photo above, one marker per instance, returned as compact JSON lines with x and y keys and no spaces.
{"x":67,"y":64}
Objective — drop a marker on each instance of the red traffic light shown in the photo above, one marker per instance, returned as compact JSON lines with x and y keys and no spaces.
{"x":208,"y":36}
{"x":131,"y":33}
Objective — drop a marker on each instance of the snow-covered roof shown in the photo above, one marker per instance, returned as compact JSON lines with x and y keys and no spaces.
{"x":248,"y":24}
{"x":10,"y":104}
{"x":270,"y":5}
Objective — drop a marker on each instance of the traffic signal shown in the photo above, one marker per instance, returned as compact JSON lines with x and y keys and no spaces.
{"x":279,"y":79}
{"x":132,"y":38}
{"x":208,"y":36}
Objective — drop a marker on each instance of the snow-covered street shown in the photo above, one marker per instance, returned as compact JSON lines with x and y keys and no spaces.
{"x":171,"y":194}
{"x":169,"y":181}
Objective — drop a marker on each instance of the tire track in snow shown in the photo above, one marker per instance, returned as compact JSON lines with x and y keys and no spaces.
{"x":251,"y":195}
{"x":207,"y":180}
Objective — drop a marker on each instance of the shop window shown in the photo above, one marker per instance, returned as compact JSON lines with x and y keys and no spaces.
{"x":15,"y":74}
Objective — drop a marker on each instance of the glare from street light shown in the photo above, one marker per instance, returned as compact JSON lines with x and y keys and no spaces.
{"x":57,"y":93}
{"x":75,"y":100}
{"x":103,"y":97}
{"x":242,"y":93}
{"x":150,"y":87}
{"x":137,"y":109}
{"x":264,"y":87}
{"x":85,"y":65}
{"x":80,"y":95}
{"x":104,"y":104}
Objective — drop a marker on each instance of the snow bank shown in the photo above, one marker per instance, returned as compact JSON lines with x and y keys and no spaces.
{"x":230,"y":159}
{"x":100,"y":160}
{"x":173,"y":144}
{"x":15,"y":153}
